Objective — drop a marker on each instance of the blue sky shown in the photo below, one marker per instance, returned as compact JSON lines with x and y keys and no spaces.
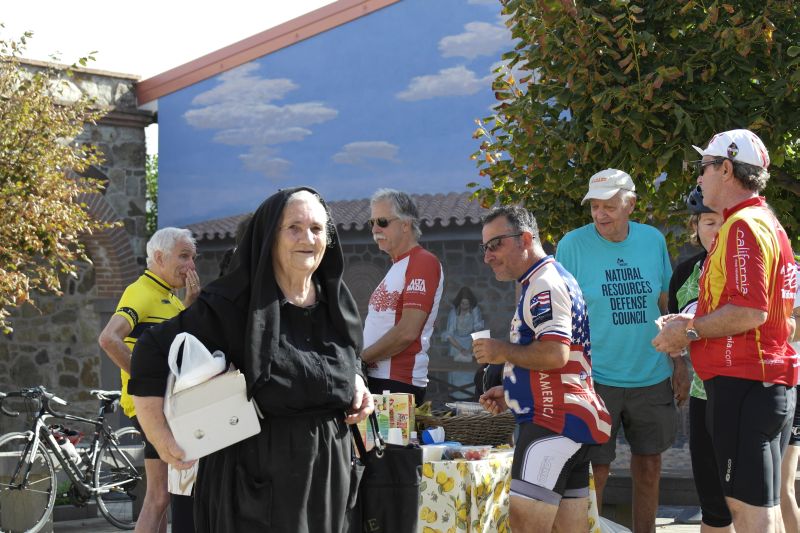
{"x":388,"y":100}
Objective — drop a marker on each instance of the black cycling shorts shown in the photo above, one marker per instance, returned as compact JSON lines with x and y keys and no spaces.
{"x":794,"y":439}
{"x":749,"y":423}
{"x":548,"y":467}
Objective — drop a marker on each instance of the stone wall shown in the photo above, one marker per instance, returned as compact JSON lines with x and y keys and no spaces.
{"x":55,"y":343}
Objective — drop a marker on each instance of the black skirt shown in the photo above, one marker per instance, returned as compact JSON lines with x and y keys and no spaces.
{"x":294,"y":477}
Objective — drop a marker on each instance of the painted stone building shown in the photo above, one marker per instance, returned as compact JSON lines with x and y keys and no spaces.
{"x":56,"y":344}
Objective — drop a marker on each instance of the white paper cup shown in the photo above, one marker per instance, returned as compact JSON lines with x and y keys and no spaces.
{"x":483,"y":334}
{"x":432,"y":452}
{"x":395,"y":436}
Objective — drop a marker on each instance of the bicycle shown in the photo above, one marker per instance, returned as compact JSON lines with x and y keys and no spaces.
{"x":104,"y":470}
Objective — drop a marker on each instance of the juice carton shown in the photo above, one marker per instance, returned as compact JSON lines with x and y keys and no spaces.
{"x":401,"y":413}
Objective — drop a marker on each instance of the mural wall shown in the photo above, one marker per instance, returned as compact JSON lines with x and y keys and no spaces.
{"x":389,"y":99}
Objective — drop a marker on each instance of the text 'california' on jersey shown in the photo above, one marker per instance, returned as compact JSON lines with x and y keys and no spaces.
{"x":551,"y":308}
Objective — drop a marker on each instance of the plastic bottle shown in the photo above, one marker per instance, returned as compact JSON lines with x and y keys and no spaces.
{"x":69,"y":448}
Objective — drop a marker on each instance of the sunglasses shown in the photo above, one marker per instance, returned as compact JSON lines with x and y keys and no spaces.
{"x":699,"y":166}
{"x":381,"y":222}
{"x":494,"y":243}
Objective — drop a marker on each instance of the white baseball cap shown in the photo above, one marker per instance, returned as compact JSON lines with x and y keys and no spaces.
{"x":607,"y":183}
{"x":737,"y":145}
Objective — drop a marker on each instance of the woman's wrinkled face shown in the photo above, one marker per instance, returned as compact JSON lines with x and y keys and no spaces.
{"x":302,"y":236}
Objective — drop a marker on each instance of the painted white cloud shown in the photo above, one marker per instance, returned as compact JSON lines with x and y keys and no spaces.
{"x":244,"y":110}
{"x":240,"y":83}
{"x":478,"y":39}
{"x":455,"y":81}
{"x":263,"y":159}
{"x":357,"y":153}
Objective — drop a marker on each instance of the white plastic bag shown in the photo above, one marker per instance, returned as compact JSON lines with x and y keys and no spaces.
{"x":198,"y":364}
{"x":607,"y":526}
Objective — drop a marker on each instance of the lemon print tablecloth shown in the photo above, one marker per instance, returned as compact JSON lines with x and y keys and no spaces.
{"x":472,"y":496}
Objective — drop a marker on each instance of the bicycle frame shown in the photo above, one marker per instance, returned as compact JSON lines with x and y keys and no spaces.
{"x":41,"y":433}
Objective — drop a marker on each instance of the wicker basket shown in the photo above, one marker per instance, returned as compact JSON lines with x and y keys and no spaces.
{"x":472,"y":429}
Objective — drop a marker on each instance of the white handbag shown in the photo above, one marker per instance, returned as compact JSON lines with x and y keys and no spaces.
{"x":207,"y":415}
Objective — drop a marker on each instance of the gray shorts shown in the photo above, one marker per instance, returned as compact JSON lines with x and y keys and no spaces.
{"x":647,"y":414}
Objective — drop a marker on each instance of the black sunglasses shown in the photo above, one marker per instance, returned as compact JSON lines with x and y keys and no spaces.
{"x":699,"y":166}
{"x":381,"y":222}
{"x":494,"y":243}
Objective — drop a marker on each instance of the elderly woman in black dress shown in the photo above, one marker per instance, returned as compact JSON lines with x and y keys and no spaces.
{"x":283,"y":316}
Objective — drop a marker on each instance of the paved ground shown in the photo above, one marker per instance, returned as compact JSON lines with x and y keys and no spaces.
{"x":665,"y":524}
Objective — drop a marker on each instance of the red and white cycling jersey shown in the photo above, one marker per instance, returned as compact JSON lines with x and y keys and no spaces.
{"x":414,"y":282}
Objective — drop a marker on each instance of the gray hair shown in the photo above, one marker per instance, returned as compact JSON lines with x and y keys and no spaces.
{"x":403,"y":206}
{"x":164,"y":240}
{"x":627,"y":196}
{"x":752,"y":177}
{"x":519,"y":219}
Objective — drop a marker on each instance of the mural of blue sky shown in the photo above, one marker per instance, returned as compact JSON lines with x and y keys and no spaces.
{"x":387,"y":100}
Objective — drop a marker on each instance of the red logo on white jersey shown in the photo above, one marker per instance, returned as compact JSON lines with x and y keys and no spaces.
{"x":383,"y":300}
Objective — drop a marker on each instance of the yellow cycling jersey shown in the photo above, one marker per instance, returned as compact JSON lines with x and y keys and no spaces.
{"x":146,"y":302}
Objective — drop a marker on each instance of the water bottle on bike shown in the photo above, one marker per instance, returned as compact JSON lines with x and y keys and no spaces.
{"x":60,"y":433}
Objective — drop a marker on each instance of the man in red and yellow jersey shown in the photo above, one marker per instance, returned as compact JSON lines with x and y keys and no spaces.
{"x":738,"y":338}
{"x":146,"y":302}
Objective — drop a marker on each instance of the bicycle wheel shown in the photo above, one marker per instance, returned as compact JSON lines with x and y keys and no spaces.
{"x":119,"y":483}
{"x":25,"y":506}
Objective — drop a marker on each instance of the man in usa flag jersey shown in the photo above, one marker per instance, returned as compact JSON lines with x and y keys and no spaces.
{"x":547,"y":379}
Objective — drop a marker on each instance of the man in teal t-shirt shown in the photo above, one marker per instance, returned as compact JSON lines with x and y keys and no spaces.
{"x":623,"y":269}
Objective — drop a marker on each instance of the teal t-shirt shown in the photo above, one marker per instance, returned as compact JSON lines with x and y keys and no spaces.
{"x":621,"y":283}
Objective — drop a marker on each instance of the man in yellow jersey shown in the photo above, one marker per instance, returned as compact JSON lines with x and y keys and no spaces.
{"x":146,"y":302}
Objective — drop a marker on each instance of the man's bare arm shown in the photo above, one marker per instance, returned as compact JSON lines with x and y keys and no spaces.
{"x":398,"y":338}
{"x":538,"y":355}
{"x":112,"y":341}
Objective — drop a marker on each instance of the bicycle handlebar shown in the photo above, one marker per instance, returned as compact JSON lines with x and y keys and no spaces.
{"x":6,"y":412}
{"x":33,"y":393}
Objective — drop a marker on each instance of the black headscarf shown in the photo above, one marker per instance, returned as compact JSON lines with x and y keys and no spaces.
{"x":251,"y":272}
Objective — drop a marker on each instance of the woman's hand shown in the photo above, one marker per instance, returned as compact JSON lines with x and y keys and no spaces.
{"x":169,"y":452}
{"x":363,"y":403}
{"x":150,"y":414}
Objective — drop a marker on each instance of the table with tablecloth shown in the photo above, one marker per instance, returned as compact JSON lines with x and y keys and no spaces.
{"x":472,"y":496}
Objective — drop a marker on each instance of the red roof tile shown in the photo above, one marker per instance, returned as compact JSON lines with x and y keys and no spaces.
{"x":444,"y":209}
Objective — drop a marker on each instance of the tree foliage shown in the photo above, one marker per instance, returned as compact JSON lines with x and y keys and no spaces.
{"x":632,"y":84}
{"x":151,"y":194}
{"x":41,"y":190}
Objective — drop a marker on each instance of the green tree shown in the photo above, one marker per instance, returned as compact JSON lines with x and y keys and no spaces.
{"x":41,"y":188}
{"x":631,"y":84}
{"x":151,"y":194}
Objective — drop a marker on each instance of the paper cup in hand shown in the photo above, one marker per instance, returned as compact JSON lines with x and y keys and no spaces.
{"x":483,"y":334}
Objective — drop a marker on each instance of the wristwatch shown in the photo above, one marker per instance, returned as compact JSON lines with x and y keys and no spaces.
{"x":691,"y":333}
